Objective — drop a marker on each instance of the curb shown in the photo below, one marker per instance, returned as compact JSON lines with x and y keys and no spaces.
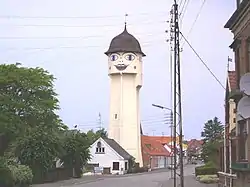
{"x":90,"y":181}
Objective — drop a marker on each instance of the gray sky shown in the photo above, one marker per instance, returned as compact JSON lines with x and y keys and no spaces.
{"x":72,"y":49}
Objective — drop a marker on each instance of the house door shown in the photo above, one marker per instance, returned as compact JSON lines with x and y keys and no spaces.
{"x":106,"y":170}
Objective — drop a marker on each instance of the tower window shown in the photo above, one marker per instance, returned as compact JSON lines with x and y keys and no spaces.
{"x":130,"y":57}
{"x":113,"y":57}
{"x":115,"y":116}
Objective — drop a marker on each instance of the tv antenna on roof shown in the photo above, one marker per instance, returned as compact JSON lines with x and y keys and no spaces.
{"x":245,"y":84}
{"x":243,"y":108}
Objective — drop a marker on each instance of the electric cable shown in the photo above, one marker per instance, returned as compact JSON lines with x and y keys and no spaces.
{"x":195,"y":20}
{"x":203,"y":62}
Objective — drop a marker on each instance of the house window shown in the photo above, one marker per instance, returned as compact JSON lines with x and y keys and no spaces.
{"x":115,"y":165}
{"x":126,"y":165}
{"x":235,"y":110}
{"x":116,"y":116}
{"x":148,"y":146}
{"x":99,"y":148}
{"x":234,"y":120}
{"x":242,"y":141}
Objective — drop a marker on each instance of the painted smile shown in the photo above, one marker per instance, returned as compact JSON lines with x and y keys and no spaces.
{"x":121,"y":67}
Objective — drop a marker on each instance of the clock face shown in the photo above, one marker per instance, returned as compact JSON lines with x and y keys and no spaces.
{"x":122,"y":60}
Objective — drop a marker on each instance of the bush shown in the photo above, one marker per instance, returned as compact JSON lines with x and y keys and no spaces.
{"x":138,"y":170}
{"x":208,"y":179}
{"x":6,"y":178}
{"x":22,"y":175}
{"x":205,"y":170}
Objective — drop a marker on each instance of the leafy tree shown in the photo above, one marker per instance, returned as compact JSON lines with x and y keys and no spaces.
{"x":101,"y":133}
{"x":213,"y":130}
{"x":93,"y":136}
{"x":212,"y":134}
{"x":28,"y":121}
{"x":38,"y":149}
{"x":76,"y":149}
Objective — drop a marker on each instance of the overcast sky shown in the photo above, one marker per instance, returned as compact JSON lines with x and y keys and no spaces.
{"x":69,"y":38}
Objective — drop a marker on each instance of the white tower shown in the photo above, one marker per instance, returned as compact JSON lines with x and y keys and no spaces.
{"x":125,"y":72}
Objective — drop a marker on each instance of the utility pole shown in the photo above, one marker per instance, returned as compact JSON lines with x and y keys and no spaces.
{"x":177,"y":105}
{"x":100,"y":121}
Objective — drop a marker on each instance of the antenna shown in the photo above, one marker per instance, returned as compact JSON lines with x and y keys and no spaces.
{"x":239,"y":118}
{"x":243,"y":107}
{"x":245,"y":84}
{"x":100,"y":121}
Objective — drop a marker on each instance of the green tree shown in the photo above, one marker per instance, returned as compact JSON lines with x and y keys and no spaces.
{"x":93,"y":136}
{"x":213,"y":130}
{"x":28,"y":121}
{"x":212,"y":133}
{"x":75,"y":150}
{"x":101,"y":133}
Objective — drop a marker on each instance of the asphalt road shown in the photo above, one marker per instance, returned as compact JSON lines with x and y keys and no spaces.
{"x":159,"y":178}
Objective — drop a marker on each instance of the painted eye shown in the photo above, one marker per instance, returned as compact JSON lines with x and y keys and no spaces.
{"x":113,"y":57}
{"x":130,"y":57}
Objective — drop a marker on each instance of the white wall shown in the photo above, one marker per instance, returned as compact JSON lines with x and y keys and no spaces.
{"x":106,"y":160}
{"x":124,"y":101}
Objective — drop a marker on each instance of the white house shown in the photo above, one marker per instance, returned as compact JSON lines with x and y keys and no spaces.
{"x":110,"y":156}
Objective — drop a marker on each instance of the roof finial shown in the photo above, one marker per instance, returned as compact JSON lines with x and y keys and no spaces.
{"x":126,"y":15}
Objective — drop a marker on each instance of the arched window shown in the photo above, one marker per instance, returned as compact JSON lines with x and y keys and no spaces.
{"x":100,"y":149}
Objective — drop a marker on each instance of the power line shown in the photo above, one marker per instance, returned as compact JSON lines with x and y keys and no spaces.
{"x":76,"y":17}
{"x":183,"y":11}
{"x":195,"y":20}
{"x":203,"y":62}
{"x":62,"y":37}
{"x":145,"y":44}
{"x":83,"y":26}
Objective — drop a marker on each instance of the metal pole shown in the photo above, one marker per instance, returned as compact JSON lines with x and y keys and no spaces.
{"x":177,"y":94}
{"x":171,"y":93}
{"x":171,"y":128}
{"x":175,"y":99}
{"x":225,"y":155}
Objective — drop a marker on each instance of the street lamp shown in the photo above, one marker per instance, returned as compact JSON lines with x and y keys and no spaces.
{"x":171,"y":126}
{"x":162,"y":107}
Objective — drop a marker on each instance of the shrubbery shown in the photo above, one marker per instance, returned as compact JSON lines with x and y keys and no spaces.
{"x":22,"y":175}
{"x":6,"y":178}
{"x":208,"y":169}
{"x":14,"y":175}
{"x":208,"y":179}
{"x":138,"y":170}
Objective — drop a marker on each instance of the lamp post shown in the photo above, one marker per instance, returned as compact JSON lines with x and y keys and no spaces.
{"x":171,"y":127}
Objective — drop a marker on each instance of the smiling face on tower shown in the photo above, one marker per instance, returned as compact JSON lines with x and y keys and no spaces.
{"x":123,"y":62}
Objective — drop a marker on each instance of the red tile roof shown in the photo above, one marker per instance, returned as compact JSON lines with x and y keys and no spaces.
{"x":193,"y":144}
{"x":232,"y":78}
{"x":162,"y":139}
{"x":152,"y":147}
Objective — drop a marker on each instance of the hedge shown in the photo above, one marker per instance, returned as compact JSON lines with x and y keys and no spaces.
{"x":205,"y":170}
{"x":22,"y":175}
{"x":13,"y":174}
{"x":6,"y":179}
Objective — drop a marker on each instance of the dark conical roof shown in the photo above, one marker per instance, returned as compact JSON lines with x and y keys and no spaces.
{"x":124,"y":42}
